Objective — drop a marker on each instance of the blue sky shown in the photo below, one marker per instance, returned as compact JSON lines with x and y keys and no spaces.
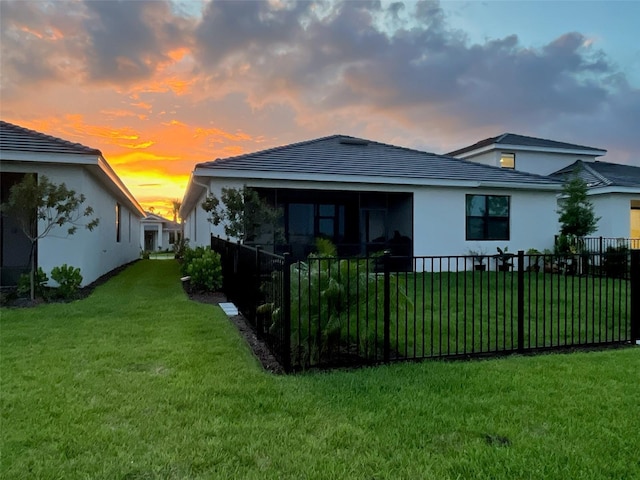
{"x":613,"y":25}
{"x":161,"y":85}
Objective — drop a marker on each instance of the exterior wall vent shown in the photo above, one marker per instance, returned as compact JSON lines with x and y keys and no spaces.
{"x":353,"y":141}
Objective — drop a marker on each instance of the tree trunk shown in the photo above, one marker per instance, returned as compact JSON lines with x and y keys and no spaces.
{"x":33,"y":271}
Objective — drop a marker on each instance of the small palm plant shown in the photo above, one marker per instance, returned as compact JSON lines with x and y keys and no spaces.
{"x":337,"y":307}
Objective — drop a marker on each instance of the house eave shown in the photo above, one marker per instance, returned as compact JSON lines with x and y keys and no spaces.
{"x":525,"y":148}
{"x":122,"y":190}
{"x":194,"y":190}
{"x":613,"y":189}
{"x":329,"y":179}
{"x":95,"y":164}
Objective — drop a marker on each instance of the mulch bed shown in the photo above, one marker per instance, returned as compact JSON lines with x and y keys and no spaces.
{"x":259,"y":348}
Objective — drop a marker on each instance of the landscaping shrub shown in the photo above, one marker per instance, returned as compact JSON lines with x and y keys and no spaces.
{"x":187,"y":257}
{"x":69,"y":280}
{"x":180,"y":247}
{"x":337,"y":305}
{"x":616,"y":261}
{"x":204,"y":267}
{"x":24,"y":284}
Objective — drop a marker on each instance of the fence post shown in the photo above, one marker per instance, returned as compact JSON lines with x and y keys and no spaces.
{"x":256,"y":293}
{"x":286,"y":312}
{"x":521,"y":300}
{"x":387,"y":306}
{"x":600,"y":247}
{"x":635,"y":296}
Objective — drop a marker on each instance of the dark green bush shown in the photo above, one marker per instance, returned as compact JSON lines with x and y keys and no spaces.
{"x":204,"y":267}
{"x":616,"y":261}
{"x":69,"y":280}
{"x":188,"y":255}
{"x":24,"y":284}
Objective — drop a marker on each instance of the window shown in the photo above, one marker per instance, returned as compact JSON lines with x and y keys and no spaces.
{"x":118,"y":222}
{"x":508,"y":160}
{"x":487,"y":217}
{"x":307,"y":221}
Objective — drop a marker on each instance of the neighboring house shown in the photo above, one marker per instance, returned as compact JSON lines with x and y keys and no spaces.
{"x":159,"y":233}
{"x":526,"y":154}
{"x":367,"y":196}
{"x":614,"y":191}
{"x":614,"y":188}
{"x":114,"y":242}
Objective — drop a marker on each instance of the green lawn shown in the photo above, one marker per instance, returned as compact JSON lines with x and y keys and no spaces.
{"x":445,"y":314}
{"x":477,"y":312}
{"x":137,"y":382}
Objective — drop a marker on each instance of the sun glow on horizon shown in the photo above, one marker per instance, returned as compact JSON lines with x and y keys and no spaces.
{"x":154,"y":164}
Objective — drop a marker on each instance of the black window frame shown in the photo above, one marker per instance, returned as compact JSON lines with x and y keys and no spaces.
{"x":488,"y":221}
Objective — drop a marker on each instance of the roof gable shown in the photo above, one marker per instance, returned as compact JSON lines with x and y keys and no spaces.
{"x":20,"y":139}
{"x":513,"y":139}
{"x":23,"y":145}
{"x":603,"y":174}
{"x":355,"y":157}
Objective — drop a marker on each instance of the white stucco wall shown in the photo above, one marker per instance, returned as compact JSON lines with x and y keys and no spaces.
{"x":438,"y":215}
{"x":540,"y":163}
{"x":440,"y":221}
{"x":615,"y":212}
{"x":197,"y":229}
{"x":96,"y":252}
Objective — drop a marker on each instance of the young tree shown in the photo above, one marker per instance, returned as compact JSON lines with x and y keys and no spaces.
{"x":40,"y":206}
{"x":577,"y":217}
{"x":243,"y":212}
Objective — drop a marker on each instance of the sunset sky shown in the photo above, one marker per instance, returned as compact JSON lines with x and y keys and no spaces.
{"x":159,"y":86}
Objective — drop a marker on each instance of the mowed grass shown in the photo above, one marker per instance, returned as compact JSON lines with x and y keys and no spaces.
{"x":472,"y":312}
{"x":138,"y":382}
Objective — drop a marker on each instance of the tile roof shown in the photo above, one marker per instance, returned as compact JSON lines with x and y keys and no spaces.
{"x":20,"y":139}
{"x":350,"y":156}
{"x":524,"y":141}
{"x":602,"y":174}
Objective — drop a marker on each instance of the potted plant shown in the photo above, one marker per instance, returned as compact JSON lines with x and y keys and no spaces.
{"x":534,"y":260}
{"x":505,"y":258}
{"x":478,"y":259}
{"x":550,"y":263}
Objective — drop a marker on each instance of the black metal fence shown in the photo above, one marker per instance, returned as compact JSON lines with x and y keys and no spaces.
{"x":603,"y":244}
{"x":606,"y":255}
{"x":341,"y":311}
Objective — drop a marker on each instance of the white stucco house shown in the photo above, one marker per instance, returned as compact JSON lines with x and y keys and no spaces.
{"x":114,"y":242}
{"x":614,"y":189}
{"x":159,"y":233}
{"x":368,"y":196}
{"x":526,"y":154}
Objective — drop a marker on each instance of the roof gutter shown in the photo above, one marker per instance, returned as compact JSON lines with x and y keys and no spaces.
{"x":186,"y":201}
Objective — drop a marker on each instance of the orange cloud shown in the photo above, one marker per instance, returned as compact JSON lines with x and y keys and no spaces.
{"x":143,"y":105}
{"x":154,"y":162}
{"x":119,"y":113}
{"x":220,"y":136}
{"x":139,"y":145}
